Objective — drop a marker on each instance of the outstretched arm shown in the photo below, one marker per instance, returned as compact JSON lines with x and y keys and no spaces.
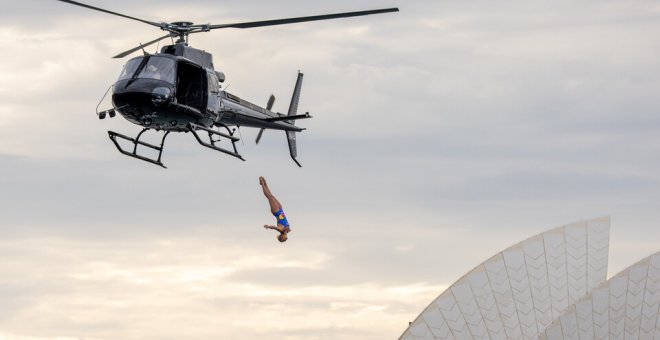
{"x":270,"y":227}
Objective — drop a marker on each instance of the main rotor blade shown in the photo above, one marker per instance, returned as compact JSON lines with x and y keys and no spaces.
{"x":125,"y":53}
{"x":301,"y":19}
{"x":113,"y":13}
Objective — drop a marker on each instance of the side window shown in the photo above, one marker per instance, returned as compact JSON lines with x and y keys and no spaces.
{"x":213,"y":83}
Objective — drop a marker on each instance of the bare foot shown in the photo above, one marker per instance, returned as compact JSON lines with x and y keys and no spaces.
{"x":262,"y":180}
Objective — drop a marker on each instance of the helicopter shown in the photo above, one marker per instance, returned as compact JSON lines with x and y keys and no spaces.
{"x":179,"y":90}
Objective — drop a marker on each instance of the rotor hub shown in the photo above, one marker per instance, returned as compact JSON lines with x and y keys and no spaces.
{"x":182,"y":24}
{"x":182,"y":29}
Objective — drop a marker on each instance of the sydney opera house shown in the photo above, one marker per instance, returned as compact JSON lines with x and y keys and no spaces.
{"x":550,"y":286}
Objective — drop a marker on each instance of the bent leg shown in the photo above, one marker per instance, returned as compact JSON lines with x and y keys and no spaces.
{"x":274,"y":204}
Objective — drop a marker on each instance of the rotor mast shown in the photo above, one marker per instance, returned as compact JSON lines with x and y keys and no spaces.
{"x":182,"y":29}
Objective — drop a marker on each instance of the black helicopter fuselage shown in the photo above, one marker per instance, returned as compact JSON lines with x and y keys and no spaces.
{"x":178,"y":87}
{"x":178,"y":90}
{"x":166,"y":92}
{"x":144,"y":103}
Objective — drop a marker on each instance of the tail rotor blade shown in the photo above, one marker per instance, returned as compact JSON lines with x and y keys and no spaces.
{"x":259,"y":135}
{"x":269,"y":106}
{"x":271,"y":101}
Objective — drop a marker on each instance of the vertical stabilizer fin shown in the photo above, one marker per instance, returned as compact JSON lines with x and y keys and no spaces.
{"x":295,"y":98}
{"x":293,"y":109}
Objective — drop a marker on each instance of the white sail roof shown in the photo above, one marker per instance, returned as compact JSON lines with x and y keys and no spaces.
{"x":624,"y":307}
{"x":517,"y":293}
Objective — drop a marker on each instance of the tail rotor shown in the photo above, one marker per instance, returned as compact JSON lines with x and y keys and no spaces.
{"x":269,"y":106}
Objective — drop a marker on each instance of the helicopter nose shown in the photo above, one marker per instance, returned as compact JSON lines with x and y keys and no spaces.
{"x":141,"y":94}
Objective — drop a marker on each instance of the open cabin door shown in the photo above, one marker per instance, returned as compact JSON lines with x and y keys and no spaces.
{"x":192,"y":86}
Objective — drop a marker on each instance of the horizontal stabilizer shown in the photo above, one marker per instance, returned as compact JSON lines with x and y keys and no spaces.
{"x":289,"y":118}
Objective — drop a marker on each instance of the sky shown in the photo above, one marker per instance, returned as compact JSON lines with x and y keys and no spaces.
{"x":441,"y":135}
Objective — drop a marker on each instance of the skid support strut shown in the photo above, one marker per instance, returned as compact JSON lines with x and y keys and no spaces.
{"x":212,"y":142}
{"x":136,"y":141}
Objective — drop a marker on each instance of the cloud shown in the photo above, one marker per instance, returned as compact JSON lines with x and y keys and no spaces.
{"x":58,"y":288}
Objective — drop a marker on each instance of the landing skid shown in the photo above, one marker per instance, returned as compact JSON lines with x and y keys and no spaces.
{"x":194,"y":128}
{"x":212,"y":142}
{"x":136,"y":141}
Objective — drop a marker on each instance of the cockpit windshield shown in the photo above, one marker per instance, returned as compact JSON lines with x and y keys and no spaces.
{"x":130,"y":68}
{"x":156,"y":68}
{"x":159,"y":68}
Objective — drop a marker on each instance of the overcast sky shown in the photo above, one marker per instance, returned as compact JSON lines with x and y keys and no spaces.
{"x":441,"y":135}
